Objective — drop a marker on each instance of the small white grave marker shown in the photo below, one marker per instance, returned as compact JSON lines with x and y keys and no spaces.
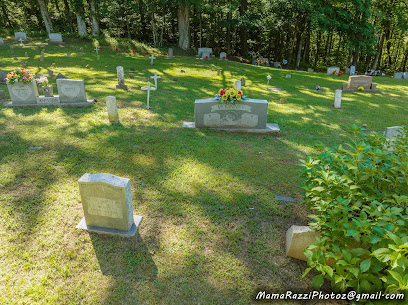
{"x":151,"y":59}
{"x":21,"y":42}
{"x":96,"y":50}
{"x":337,"y":98}
{"x":267,"y":83}
{"x":112,"y":107}
{"x":238,"y":84}
{"x":148,"y":89}
{"x":155,"y":77}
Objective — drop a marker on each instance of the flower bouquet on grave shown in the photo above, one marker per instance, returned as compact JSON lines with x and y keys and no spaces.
{"x":230,"y":95}
{"x":21,"y":75}
{"x":43,"y":82}
{"x":259,"y":60}
{"x":340,"y":73}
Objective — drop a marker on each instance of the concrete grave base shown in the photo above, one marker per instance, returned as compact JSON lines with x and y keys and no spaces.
{"x":45,"y":103}
{"x":270,"y":128}
{"x":124,"y":87}
{"x":132,"y":232}
{"x":298,"y":238}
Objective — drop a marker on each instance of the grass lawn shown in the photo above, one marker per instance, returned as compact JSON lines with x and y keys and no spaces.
{"x":212,"y":232}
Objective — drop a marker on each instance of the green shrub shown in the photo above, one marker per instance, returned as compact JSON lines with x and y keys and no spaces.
{"x":359,"y":196}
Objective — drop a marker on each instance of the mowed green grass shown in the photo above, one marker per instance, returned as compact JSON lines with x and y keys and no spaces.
{"x":212,"y":231}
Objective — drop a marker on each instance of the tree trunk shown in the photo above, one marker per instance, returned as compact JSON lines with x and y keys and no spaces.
{"x":229,"y":17}
{"x":68,"y":15}
{"x":319,"y":37}
{"x":5,"y":14}
{"x":95,"y":25}
{"x":299,"y":50}
{"x":243,"y":35}
{"x":379,"y":52}
{"x":306,"y":53}
{"x":81,"y":25}
{"x":355,"y":58}
{"x":143,"y":21}
{"x":46,"y":16}
{"x":184,"y":26}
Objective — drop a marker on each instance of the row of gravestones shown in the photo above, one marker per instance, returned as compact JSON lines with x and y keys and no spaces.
{"x":401,"y":75}
{"x":71,"y":93}
{"x":22,"y":36}
{"x":207,"y":54}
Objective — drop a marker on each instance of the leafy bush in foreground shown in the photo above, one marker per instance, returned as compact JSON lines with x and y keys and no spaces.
{"x":359,"y":196}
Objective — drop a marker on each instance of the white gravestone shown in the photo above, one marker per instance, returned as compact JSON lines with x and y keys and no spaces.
{"x":399,"y":75}
{"x":23,"y":94}
{"x":337,"y":98}
{"x":310,"y":70}
{"x":111,"y":105}
{"x":352,"y":70}
{"x":121,"y":78}
{"x":333,"y":70}
{"x":148,"y":89}
{"x":238,"y":84}
{"x":1,"y":41}
{"x":71,"y":90}
{"x":151,"y":59}
{"x":107,"y":204}
{"x":391,"y":133}
{"x":170,"y":53}
{"x":55,"y":37}
{"x":204,"y":50}
{"x":206,"y":56}
{"x":155,"y":77}
{"x":223,"y":56}
{"x":20,"y":36}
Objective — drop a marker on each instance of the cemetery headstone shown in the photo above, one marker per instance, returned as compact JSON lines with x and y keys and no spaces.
{"x":107,"y":204}
{"x":2,"y":77}
{"x":170,"y":55}
{"x":23,"y":94}
{"x":238,"y":84}
{"x":41,"y":58}
{"x":131,"y":75}
{"x":20,"y":36}
{"x":71,"y":90}
{"x":357,"y":81}
{"x":1,"y":41}
{"x":333,"y":70}
{"x":206,"y":56}
{"x":277,"y":64}
{"x":155,"y":77}
{"x":223,"y":56}
{"x":151,"y":59}
{"x":288,"y":76}
{"x":113,"y":114}
{"x":2,"y":94}
{"x":391,"y":133}
{"x":61,"y":76}
{"x":148,"y":89}
{"x":121,"y":78}
{"x":242,"y":82}
{"x":352,"y":70}
{"x":248,"y":115}
{"x":337,"y":98}
{"x":399,"y":75}
{"x":298,"y":238}
{"x":405,"y":75}
{"x":347,"y":71}
{"x":50,"y":73}
{"x":98,"y":57}
{"x":204,"y":50}
{"x":310,"y":70}
{"x":55,"y":37}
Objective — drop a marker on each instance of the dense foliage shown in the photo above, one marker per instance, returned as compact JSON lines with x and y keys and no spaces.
{"x":313,"y":33}
{"x":359,"y":197}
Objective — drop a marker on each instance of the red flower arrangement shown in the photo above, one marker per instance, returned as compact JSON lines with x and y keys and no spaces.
{"x":340,"y":72}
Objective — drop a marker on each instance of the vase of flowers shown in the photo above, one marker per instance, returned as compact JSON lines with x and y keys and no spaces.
{"x":46,"y":88}
{"x":22,"y":87}
{"x":230,"y":95}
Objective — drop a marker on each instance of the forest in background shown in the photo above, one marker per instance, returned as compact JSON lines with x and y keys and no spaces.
{"x":371,"y":34}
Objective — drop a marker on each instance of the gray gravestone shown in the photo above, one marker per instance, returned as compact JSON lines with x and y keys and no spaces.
{"x":310,"y":70}
{"x":2,"y":77}
{"x":107,"y":204}
{"x":20,"y":35}
{"x":50,"y":73}
{"x":333,"y":70}
{"x":1,"y":41}
{"x":399,"y":75}
{"x":352,"y":70}
{"x":223,"y":56}
{"x":170,"y":53}
{"x":392,"y":132}
{"x":243,"y":82}
{"x":71,"y":90}
{"x":206,"y":56}
{"x":23,"y":94}
{"x":2,"y":94}
{"x":248,"y":114}
{"x":61,"y":76}
{"x":405,"y":75}
{"x":204,"y":50}
{"x":277,"y":64}
{"x":55,"y":37}
{"x":121,"y":78}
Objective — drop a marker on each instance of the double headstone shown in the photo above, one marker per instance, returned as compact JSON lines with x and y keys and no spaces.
{"x":357,"y":81}
{"x":399,"y":75}
{"x":107,"y":204}
{"x":204,"y":50}
{"x":333,"y":70}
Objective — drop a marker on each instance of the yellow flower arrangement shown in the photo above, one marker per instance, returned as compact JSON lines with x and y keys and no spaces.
{"x":360,"y":88}
{"x":230,"y":95}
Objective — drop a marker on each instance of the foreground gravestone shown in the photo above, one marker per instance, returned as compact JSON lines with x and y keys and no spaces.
{"x":298,"y":238}
{"x":248,"y":115}
{"x":107,"y":204}
{"x":111,"y":105}
{"x":1,"y":41}
{"x":204,"y":50}
{"x":20,"y":36}
{"x":121,"y":78}
{"x":71,"y":90}
{"x":55,"y":37}
{"x":333,"y":70}
{"x":359,"y":81}
{"x":23,"y":94}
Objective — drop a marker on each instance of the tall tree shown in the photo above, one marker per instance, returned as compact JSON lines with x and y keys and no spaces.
{"x":78,"y":7}
{"x":95,"y":25}
{"x":46,"y":16}
{"x":183,"y":16}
